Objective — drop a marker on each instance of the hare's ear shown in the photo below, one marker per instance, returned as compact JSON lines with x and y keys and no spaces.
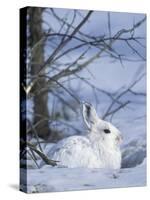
{"x":89,"y":114}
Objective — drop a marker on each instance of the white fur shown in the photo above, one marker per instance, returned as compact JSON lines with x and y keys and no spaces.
{"x":94,"y":150}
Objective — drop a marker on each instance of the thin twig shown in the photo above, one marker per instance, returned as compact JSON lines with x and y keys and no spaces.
{"x":42,"y":155}
{"x":33,"y":157}
{"x":36,"y":135}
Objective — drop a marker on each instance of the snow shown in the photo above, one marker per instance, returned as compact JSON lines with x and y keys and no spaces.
{"x":53,"y":179}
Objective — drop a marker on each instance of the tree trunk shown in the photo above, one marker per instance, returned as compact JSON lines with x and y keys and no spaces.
{"x":37,"y":58}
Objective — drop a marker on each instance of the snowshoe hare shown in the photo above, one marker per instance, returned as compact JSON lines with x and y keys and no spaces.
{"x":99,"y":148}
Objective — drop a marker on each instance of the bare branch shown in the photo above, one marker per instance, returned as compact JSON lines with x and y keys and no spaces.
{"x":124,"y":31}
{"x":135,"y":51}
{"x":109,"y":25}
{"x":42,"y":155}
{"x":109,"y":109}
{"x":61,"y":45}
{"x":33,"y":157}
{"x":115,"y":110}
{"x":35,"y":133}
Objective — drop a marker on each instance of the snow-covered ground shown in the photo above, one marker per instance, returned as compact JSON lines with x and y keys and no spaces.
{"x":53,"y":179}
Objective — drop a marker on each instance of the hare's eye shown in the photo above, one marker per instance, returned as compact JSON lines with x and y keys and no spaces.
{"x":107,"y":131}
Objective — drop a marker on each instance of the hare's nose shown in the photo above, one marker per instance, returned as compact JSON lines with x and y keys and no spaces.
{"x":119,"y":139}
